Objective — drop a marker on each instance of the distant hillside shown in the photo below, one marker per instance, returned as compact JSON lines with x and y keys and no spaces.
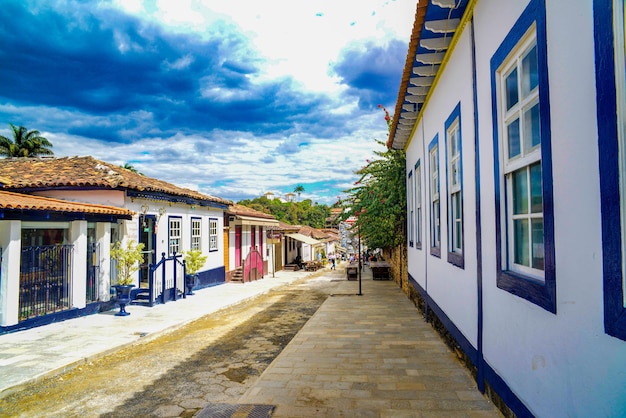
{"x":295,"y":213}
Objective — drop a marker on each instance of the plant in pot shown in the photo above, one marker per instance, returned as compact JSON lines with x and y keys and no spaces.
{"x":129,"y":259}
{"x":194,"y":260}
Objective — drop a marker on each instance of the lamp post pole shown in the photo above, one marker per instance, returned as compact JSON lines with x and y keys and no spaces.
{"x":359,"y":257}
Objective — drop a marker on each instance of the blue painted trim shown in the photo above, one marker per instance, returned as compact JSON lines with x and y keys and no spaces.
{"x":608,"y":153}
{"x":480,"y":369}
{"x":457,"y":260}
{"x":542,"y":294}
{"x":217,"y":234}
{"x":210,"y":278}
{"x":174,"y":199}
{"x":419,"y":227}
{"x":435,"y":251}
{"x":458,"y":336}
{"x":410,"y":219}
{"x":180,"y":243}
{"x":491,"y":376}
{"x":506,"y":394}
{"x":191,"y":219}
{"x":90,"y":309}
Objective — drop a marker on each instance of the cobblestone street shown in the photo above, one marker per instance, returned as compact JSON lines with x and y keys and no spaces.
{"x":212,"y":360}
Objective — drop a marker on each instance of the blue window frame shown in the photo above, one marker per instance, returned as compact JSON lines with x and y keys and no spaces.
{"x":611,"y":108}
{"x":411,"y":207}
{"x":418,"y":205}
{"x":454,"y":178}
{"x":523,"y":155}
{"x":196,"y":233}
{"x":213,"y":241}
{"x":175,"y":231}
{"x":435,"y":200}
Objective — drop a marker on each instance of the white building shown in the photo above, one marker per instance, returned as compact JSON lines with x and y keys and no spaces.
{"x":512,"y":116}
{"x":166,"y":218}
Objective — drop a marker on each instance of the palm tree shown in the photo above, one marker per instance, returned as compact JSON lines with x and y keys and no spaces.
{"x":25,"y":143}
{"x":299,"y":189}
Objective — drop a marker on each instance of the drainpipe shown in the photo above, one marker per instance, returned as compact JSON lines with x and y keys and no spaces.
{"x":480,"y":373}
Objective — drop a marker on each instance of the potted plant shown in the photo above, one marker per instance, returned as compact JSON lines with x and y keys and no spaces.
{"x":194,"y":260}
{"x":128,"y":259}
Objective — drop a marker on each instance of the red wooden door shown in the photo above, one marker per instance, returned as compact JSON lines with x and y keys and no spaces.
{"x":238,"y":246}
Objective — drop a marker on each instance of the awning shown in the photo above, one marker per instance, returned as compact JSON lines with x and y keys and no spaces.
{"x":304,"y":238}
{"x":250,"y":220}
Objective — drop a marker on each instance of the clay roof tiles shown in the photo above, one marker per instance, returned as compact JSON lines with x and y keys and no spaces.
{"x":238,"y":209}
{"x":18,"y":201}
{"x":81,"y":172}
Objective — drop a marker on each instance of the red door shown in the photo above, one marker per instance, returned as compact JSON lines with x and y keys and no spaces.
{"x":238,"y":246}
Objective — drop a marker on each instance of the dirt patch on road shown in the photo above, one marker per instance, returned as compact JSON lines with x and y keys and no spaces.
{"x":212,"y":360}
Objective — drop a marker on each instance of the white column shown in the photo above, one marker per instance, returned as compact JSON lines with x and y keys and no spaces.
{"x":11,"y":244}
{"x":103,"y":238}
{"x":78,"y":284}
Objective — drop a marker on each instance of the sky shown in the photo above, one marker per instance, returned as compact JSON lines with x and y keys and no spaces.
{"x":232,"y":98}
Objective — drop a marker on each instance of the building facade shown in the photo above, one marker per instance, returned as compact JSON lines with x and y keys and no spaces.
{"x":512,"y":118}
{"x":168,"y":220}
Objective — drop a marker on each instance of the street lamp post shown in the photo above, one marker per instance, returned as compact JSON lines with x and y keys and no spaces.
{"x":359,"y":257}
{"x":358,"y":231}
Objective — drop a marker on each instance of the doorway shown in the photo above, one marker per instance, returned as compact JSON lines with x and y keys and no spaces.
{"x":147,"y":238}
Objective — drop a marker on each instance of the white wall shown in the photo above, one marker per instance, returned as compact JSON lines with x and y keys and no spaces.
{"x":561,"y":364}
{"x":452,"y":287}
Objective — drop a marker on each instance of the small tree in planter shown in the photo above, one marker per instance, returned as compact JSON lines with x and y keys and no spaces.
{"x":194,"y":260}
{"x":129,"y":259}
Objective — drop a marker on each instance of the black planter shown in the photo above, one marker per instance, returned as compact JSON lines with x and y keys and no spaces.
{"x":190,"y":282}
{"x":123,"y":298}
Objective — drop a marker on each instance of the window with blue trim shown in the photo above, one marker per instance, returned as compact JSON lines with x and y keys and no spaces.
{"x":196,"y":233}
{"x":213,"y":246}
{"x":454,"y":175}
{"x":411,"y":207}
{"x":435,"y":201}
{"x":609,"y":33}
{"x":418,"y":205}
{"x":175,"y":234}
{"x":523,"y":169}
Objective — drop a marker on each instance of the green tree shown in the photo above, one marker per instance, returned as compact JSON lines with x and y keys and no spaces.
{"x":378,"y":198}
{"x":24,"y":143}
{"x":294,"y":213}
{"x":130,"y":167}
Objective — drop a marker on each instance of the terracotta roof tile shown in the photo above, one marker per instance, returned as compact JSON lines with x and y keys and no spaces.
{"x":29,"y":173}
{"x":312,"y":232}
{"x":238,"y":209}
{"x":18,"y":201}
{"x":284,"y":226}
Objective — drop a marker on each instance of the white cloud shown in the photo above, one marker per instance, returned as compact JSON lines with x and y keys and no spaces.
{"x":295,"y":38}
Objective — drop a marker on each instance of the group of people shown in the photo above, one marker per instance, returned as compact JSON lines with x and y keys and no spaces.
{"x":366,"y":257}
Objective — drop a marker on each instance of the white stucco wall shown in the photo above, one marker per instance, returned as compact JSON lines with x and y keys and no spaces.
{"x":558,"y":365}
{"x":453,"y":288}
{"x":563,"y":364}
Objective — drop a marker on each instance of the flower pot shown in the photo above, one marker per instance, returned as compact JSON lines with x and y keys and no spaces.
{"x":190,"y":282}
{"x":123,"y":298}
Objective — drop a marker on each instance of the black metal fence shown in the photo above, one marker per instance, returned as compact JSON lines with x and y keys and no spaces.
{"x":45,"y":275}
{"x":93,"y":269}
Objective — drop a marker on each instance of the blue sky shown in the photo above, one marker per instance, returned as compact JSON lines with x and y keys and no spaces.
{"x":231,"y":98}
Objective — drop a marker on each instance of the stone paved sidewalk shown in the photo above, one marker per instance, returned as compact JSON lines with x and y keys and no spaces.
{"x":368,"y":356}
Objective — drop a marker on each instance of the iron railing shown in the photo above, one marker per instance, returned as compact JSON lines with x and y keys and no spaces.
{"x":45,"y":275}
{"x":167,"y":279}
{"x":93,"y":268}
